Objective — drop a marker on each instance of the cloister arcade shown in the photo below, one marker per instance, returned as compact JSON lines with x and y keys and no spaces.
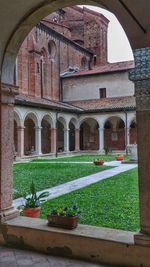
{"x":34,"y":132}
{"x":16,"y":20}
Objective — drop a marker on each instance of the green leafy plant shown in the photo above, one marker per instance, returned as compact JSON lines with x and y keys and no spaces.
{"x":67,"y":211}
{"x":106,"y":148}
{"x":34,"y":200}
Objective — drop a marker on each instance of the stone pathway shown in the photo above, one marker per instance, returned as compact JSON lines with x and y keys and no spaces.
{"x":10,"y":257}
{"x":76,"y":184}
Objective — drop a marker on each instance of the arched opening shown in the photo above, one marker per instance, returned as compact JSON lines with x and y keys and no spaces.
{"x":45,"y":136}
{"x":84,"y":63}
{"x":114,"y":134}
{"x":29,"y":137}
{"x":60,"y":136}
{"x":89,"y":135}
{"x":71,"y":136}
{"x":133,"y":132}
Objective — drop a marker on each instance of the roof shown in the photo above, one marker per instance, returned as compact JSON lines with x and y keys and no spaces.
{"x":107,"y":68}
{"x":106,"y":104}
{"x":45,"y":103}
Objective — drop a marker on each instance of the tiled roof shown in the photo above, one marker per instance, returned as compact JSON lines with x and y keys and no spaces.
{"x":107,"y":68}
{"x":106,"y":104}
{"x":45,"y":103}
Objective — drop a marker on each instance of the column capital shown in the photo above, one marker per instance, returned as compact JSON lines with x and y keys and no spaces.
{"x":8,"y":93}
{"x":38,"y":128}
{"x":142,"y":65}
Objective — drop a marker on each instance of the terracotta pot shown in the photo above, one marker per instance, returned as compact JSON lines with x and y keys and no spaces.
{"x":32,"y":212}
{"x":98,"y":162}
{"x":66,"y":222}
{"x":119,"y":158}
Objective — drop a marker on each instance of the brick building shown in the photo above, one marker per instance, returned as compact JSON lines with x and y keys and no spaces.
{"x":61,"y":60}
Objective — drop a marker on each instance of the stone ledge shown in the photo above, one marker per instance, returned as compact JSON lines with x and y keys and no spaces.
{"x":103,"y":245}
{"x":82,"y":230}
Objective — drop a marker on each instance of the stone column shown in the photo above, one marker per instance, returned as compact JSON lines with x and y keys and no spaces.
{"x":141,"y":77}
{"x":38,"y":140}
{"x":20,"y":133}
{"x":77,"y":139}
{"x":128,"y":136}
{"x":101,"y":140}
{"x":53,"y":140}
{"x":7,"y":94}
{"x":66,"y":140}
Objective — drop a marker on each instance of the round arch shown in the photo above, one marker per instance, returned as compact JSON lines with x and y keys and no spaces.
{"x":114,"y":133}
{"x":17,"y":118}
{"x":46,"y":134}
{"x":33,"y":116}
{"x":25,"y":21}
{"x":89,"y":134}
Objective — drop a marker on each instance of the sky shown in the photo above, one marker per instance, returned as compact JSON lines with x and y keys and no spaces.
{"x":118,"y":45}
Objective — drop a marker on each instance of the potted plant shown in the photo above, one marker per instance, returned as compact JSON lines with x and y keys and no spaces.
{"x":119,"y":157}
{"x":31,"y":208}
{"x":65,"y":217}
{"x":98,"y":161}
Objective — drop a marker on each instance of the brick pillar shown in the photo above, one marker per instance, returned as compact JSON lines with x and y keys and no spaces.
{"x":77,"y":139}
{"x":38,"y":140}
{"x":20,"y":133}
{"x":6,"y":151}
{"x":101,"y":140}
{"x":53,"y":140}
{"x":141,"y":77}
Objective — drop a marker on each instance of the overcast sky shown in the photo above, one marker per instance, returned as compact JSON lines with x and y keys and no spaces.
{"x":118,"y":45}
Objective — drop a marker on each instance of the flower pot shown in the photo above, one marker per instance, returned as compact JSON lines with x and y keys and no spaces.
{"x":119,"y":158}
{"x":32,"y":212}
{"x":66,"y":222}
{"x":98,"y":162}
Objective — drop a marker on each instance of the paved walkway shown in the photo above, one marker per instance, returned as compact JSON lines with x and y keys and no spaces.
{"x":76,"y":184}
{"x":19,"y":258}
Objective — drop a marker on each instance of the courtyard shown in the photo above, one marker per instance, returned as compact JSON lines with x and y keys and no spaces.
{"x":111,"y":202}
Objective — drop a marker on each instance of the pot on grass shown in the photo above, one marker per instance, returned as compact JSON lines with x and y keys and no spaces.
{"x":98,"y":162}
{"x":119,"y":157}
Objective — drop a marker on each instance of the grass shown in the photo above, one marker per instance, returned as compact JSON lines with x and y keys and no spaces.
{"x":112,"y":203}
{"x":49,"y":175}
{"x":88,"y":158}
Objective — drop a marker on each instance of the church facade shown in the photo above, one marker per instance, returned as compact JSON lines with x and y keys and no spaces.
{"x":70,"y":98}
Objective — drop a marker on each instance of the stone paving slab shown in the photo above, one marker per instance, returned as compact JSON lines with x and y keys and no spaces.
{"x":76,"y":184}
{"x":19,"y":258}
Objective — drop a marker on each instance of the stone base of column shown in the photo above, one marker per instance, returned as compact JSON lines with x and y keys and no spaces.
{"x":102,"y":151}
{"x":8,"y":214}
{"x":142,"y":239}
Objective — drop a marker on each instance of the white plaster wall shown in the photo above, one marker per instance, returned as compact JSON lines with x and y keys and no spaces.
{"x":87,"y":87}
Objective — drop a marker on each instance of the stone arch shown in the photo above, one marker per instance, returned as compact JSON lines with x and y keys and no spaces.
{"x":31,"y":123}
{"x":133,"y":131}
{"x":114,"y":133}
{"x":46,"y":124}
{"x":41,"y":11}
{"x":89,"y":134}
{"x":17,"y":117}
{"x":32,"y":115}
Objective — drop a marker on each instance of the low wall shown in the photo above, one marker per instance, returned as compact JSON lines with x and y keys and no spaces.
{"x":90,"y":243}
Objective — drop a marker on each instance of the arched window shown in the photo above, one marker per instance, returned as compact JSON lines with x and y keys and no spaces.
{"x":52,"y":49}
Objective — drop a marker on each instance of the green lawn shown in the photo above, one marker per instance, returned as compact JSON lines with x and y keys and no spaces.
{"x":46,"y":175}
{"x":109,"y":203}
{"x":87,"y":158}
